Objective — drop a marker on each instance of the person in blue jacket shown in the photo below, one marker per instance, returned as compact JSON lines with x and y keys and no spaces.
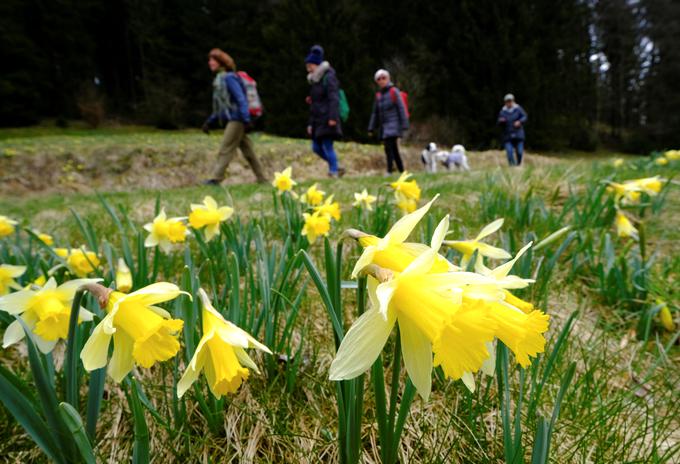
{"x":512,"y":118}
{"x":230,"y":108}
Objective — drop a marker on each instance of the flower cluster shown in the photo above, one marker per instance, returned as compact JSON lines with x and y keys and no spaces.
{"x":406,"y":192}
{"x":446,"y":317}
{"x":627,"y":194}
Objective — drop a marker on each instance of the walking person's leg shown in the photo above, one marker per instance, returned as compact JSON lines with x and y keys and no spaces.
{"x":520,"y":151}
{"x":397,"y":156}
{"x":331,"y":157}
{"x":509,"y":152}
{"x":388,"y":154}
{"x":318,"y":149}
{"x":228,"y":147}
{"x":249,"y":154}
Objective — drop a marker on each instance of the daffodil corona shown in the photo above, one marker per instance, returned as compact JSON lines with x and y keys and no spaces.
{"x":142,"y":332}
{"x":164,"y":232}
{"x":78,"y":260}
{"x":210,"y":216}
{"x":283,"y":181}
{"x":329,"y":208}
{"x":45,"y":311}
{"x":220,"y":354}
{"x":316,"y":225}
{"x":313,"y":196}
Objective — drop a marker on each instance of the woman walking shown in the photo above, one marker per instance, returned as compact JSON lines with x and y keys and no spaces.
{"x":389,"y":117}
{"x":324,"y":108}
{"x":230,"y":107}
{"x":512,"y":118}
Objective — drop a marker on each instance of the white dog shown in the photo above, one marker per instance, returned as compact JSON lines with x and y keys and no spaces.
{"x":431,"y":157}
{"x":457,"y":159}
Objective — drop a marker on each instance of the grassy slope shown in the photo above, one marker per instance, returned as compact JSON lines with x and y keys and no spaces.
{"x":610,"y":415}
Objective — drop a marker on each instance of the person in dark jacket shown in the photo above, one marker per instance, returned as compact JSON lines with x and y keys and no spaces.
{"x":324,"y":108}
{"x":512,"y":118}
{"x":230,"y":107}
{"x":389,"y":118}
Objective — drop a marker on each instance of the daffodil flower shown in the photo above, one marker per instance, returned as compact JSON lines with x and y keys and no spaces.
{"x":618,"y":162}
{"x":220,"y":354}
{"x":142,"y":332}
{"x":283,"y":181}
{"x":629,"y":191}
{"x":329,"y":208}
{"x":6,"y":226}
{"x":468,"y":247}
{"x":123,"y":277}
{"x":665,"y":316}
{"x":661,"y":161}
{"x":316,"y":225}
{"x":392,"y":251}
{"x":313,"y":196}
{"x":364,"y":199}
{"x":406,"y":188}
{"x":46,"y":311}
{"x":79,"y":261}
{"x":164,"y":232}
{"x":672,"y":155}
{"x":427,"y":307}
{"x":625,"y":228}
{"x":45,"y":238}
{"x":649,"y":185}
{"x":210,"y":216}
{"x":405,"y":204}
{"x":8,"y":273}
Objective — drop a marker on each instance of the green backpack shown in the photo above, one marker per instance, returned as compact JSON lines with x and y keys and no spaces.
{"x":343,"y":104}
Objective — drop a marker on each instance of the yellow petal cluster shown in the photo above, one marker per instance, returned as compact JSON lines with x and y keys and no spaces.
{"x":673,"y":155}
{"x":164,"y":232}
{"x":79,"y":261}
{"x":220,"y":354}
{"x":625,"y":228}
{"x":283,"y":181}
{"x":406,"y":193}
{"x":8,"y":274}
{"x":6,"y":226}
{"x":123,"y":277}
{"x":329,"y":208}
{"x":316,"y":225}
{"x":313,"y":196}
{"x":209,"y":215}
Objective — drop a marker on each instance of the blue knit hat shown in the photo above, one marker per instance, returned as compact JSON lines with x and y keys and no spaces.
{"x":315,"y":55}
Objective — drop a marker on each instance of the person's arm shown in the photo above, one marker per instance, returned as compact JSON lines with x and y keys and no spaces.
{"x":236,"y":92}
{"x":523,"y":115}
{"x":501,"y":119}
{"x":374,"y":116}
{"x":332,"y":91}
{"x":401,"y":111}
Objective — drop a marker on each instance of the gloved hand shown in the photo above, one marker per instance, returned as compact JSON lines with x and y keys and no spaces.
{"x":206,"y":128}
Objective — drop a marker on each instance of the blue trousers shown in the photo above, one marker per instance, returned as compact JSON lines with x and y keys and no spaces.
{"x":510,"y":147}
{"x":324,"y":148}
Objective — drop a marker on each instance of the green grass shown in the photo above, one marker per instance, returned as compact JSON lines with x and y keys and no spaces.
{"x":621,"y":407}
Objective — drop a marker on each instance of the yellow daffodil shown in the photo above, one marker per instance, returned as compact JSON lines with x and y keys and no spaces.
{"x":6,"y":226}
{"x":142,"y":332}
{"x":649,"y":185}
{"x":625,"y":228}
{"x":45,"y":238}
{"x":665,"y":316}
{"x":453,"y":315}
{"x":364,"y":200}
{"x":392,"y":251}
{"x":8,"y":273}
{"x":329,"y":208}
{"x":672,"y":155}
{"x":40,"y":281}
{"x":316,"y":225}
{"x":209,"y":215}
{"x":46,"y":311}
{"x":629,"y":191}
{"x":164,"y":232}
{"x":468,"y":247}
{"x":661,"y":161}
{"x":283,"y":181}
{"x":405,"y":204}
{"x":79,"y":261}
{"x":123,"y":277}
{"x":221,"y":354}
{"x":406,"y":188}
{"x":313,"y":196}
{"x":618,"y":162}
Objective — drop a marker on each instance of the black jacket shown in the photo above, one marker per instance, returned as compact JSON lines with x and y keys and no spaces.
{"x":325,"y":103}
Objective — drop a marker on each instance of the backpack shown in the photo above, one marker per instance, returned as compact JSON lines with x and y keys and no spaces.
{"x":255,"y":107}
{"x":404,"y":99}
{"x":343,"y":104}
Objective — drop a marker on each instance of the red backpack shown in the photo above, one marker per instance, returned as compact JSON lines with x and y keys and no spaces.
{"x":393,"y":95}
{"x":254,"y":103}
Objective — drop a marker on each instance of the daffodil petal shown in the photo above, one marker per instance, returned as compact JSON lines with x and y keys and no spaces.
{"x":191,"y":373}
{"x":490,"y":229}
{"x":45,"y":346}
{"x":364,"y":260}
{"x":361,"y":345}
{"x":505,"y":268}
{"x":404,"y":226}
{"x":13,"y":333}
{"x":96,"y":349}
{"x":469,"y":381}
{"x":15,"y":303}
{"x":417,"y":351}
{"x":122,"y":361}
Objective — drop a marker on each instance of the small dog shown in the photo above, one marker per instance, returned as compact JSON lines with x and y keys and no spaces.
{"x":431,"y":157}
{"x":457,"y":159}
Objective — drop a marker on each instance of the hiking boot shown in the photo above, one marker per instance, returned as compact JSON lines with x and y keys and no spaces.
{"x":214,"y":182}
{"x":341,"y":172}
{"x":333,"y":175}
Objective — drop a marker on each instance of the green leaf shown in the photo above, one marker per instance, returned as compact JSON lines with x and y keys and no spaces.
{"x":75,"y":425}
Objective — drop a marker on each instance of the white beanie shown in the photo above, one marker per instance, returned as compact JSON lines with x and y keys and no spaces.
{"x":508,"y":97}
{"x":380,"y":73}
